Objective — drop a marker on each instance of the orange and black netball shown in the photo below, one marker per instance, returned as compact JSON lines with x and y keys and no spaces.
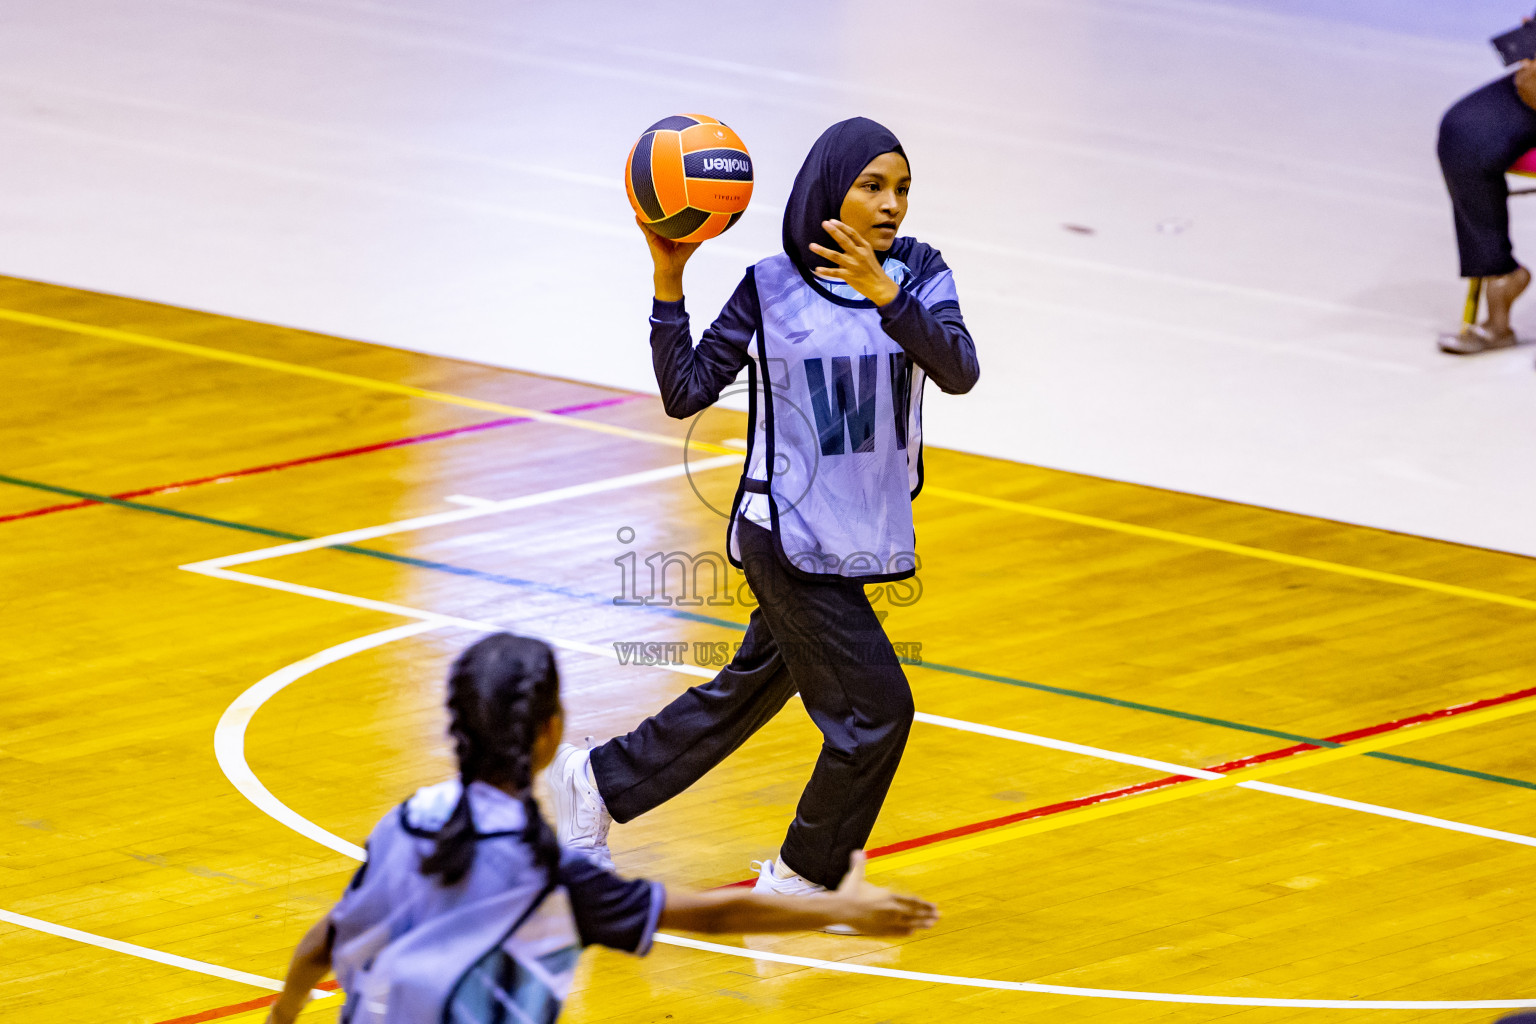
{"x":689,"y":177}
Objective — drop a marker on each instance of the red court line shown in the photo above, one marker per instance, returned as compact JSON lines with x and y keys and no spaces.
{"x":1224,"y":768}
{"x":345,"y":453}
{"x":228,"y":1011}
{"x":1143,"y":787}
{"x":1377,"y":730}
{"x":1057,"y":808}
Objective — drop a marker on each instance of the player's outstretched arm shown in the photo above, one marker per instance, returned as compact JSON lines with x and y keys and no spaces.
{"x":868,"y":908}
{"x":311,"y":962}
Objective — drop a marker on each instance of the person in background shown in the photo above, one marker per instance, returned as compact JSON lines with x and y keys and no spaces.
{"x":1480,"y":137}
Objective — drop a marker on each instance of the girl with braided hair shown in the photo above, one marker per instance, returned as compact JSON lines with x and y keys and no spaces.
{"x":466,"y":905}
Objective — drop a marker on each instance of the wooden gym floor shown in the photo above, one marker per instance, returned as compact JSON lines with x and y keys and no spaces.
{"x":193,"y":741}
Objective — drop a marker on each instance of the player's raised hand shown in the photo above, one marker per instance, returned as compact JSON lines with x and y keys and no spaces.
{"x":669,"y":258}
{"x":1525,"y":82}
{"x":858,"y":264}
{"x":877,"y":911}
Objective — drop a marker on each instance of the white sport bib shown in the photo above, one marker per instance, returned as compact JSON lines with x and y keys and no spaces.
{"x":835,"y":453}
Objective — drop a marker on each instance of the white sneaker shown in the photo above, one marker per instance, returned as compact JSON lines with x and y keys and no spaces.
{"x":794,"y":885}
{"x":581,"y":819}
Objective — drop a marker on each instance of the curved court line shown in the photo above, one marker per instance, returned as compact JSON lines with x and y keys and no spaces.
{"x":229,"y":742}
{"x":1098,"y":993}
{"x":145,"y":953}
{"x":229,"y":734}
{"x":1201,"y":780}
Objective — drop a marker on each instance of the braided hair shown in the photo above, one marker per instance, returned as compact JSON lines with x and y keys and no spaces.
{"x":501,"y":691}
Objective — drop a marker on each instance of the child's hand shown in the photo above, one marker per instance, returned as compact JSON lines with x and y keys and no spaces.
{"x":669,"y":258}
{"x":877,"y":911}
{"x":858,"y":264}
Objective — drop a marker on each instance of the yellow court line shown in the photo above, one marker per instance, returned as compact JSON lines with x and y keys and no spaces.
{"x":353,"y":380}
{"x":1263,"y":554}
{"x":575,"y":423}
{"x":1198,"y":787}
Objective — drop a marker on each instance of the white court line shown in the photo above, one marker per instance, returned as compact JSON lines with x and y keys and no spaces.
{"x":1261,"y":786}
{"x":434,"y":619}
{"x":1097,"y":993}
{"x":145,"y":953}
{"x":232,"y":756}
{"x":426,"y":620}
{"x":229,"y":734}
{"x":1389,"y":812}
{"x":215,"y":567}
{"x":486,"y":508}
{"x":1204,"y":773}
{"x":1167,"y":767}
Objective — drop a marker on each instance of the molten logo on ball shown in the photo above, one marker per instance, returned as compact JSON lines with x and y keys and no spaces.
{"x":689,"y":177}
{"x":720,"y":163}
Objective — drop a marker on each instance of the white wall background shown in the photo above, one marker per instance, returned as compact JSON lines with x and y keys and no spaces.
{"x":1252,"y":316}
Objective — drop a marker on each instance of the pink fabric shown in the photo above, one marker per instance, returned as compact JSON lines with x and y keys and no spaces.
{"x":1525,"y":165}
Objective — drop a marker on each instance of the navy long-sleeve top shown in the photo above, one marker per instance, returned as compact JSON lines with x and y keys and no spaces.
{"x":692,"y":377}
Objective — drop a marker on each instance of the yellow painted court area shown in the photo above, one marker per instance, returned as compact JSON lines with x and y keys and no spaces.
{"x":1082,"y":640}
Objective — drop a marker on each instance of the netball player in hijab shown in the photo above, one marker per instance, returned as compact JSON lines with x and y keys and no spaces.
{"x":839,"y":332}
{"x":466,"y":906}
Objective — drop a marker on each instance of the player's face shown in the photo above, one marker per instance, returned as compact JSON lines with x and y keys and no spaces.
{"x":877,"y":202}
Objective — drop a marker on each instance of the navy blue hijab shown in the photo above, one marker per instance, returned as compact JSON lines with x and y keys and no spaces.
{"x":829,"y":171}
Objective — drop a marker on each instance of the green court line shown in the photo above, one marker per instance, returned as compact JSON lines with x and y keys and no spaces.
{"x":1470,"y":773}
{"x":139,"y":506}
{"x":1060,"y":691}
{"x":1131,"y":704}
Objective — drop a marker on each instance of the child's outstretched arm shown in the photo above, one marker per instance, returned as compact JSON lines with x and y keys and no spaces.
{"x":311,"y":962}
{"x":868,"y":908}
